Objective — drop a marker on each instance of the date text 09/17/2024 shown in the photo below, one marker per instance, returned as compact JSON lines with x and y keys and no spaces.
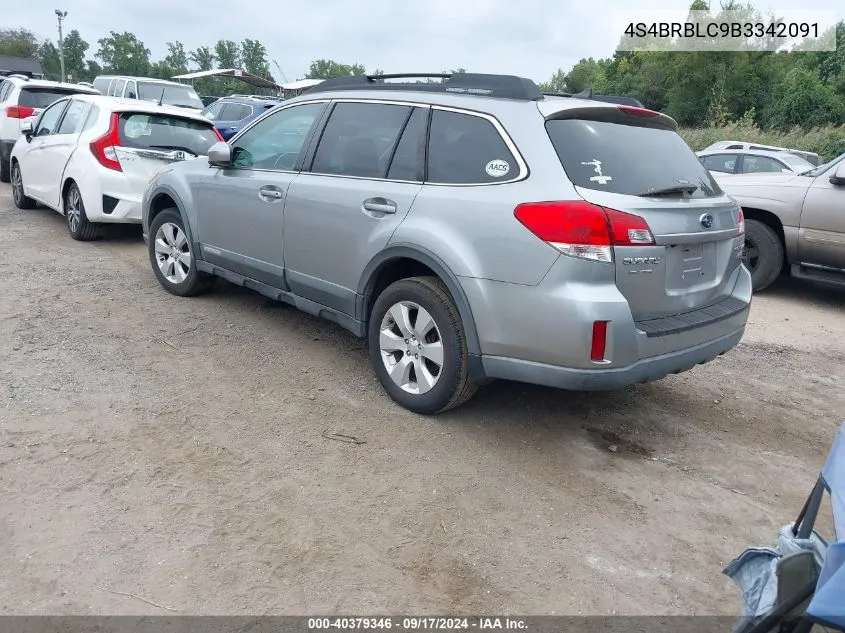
{"x":418,"y":623}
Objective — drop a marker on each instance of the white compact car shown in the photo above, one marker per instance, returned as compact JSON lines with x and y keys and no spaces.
{"x":91,"y":157}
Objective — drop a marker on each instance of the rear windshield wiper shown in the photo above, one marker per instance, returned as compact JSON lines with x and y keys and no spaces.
{"x":668,"y":191}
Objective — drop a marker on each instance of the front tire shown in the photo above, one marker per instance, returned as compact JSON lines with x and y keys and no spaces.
{"x":20,"y":198}
{"x":5,"y":171}
{"x":80,"y":228}
{"x":418,"y":346}
{"x":171,"y":257}
{"x":763,"y":254}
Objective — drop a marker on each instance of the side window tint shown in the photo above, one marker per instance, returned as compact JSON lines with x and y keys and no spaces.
{"x":409,"y":159}
{"x":4,"y":90}
{"x":233,"y":112}
{"x":720,"y":162}
{"x":118,"y":87}
{"x":74,"y":118}
{"x":46,"y":125}
{"x":276,"y":142}
{"x":359,"y":139}
{"x":467,"y":149}
{"x":131,"y":91}
{"x":213,"y":111}
{"x":759,"y":164}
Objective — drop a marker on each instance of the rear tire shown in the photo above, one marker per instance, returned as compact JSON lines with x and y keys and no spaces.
{"x":172,"y":259}
{"x":80,"y":228}
{"x":22,"y":201}
{"x":430,"y":372}
{"x":763,"y":254}
{"x":5,"y":169}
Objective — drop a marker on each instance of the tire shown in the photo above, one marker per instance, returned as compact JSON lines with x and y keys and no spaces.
{"x":450,"y":386}
{"x":763,"y":254}
{"x":167,"y":238}
{"x":20,"y":198}
{"x":78,"y":225}
{"x":5,"y":169}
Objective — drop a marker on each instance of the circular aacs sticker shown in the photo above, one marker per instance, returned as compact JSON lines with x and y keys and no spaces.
{"x":497,"y":168}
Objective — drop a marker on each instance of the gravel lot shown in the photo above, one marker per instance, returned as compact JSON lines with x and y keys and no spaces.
{"x":176,"y":449}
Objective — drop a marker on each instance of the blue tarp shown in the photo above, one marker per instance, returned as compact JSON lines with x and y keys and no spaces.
{"x":828,"y":604}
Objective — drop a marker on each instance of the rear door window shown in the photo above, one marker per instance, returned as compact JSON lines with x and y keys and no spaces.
{"x":166,"y":133}
{"x":74,"y":117}
{"x":760,"y":164}
{"x":234,"y":112}
{"x":40,"y":98}
{"x":627,"y":159}
{"x":725,"y":163}
{"x":467,"y":149}
{"x":131,"y":91}
{"x":359,"y":139}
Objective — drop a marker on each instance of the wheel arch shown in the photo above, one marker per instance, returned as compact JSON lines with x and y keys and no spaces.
{"x":403,"y":261}
{"x":164,"y":198}
{"x":773,"y":222}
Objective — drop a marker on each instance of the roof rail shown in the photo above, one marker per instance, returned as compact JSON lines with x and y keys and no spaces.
{"x":20,"y":75}
{"x":588,"y":94}
{"x":477,"y":84}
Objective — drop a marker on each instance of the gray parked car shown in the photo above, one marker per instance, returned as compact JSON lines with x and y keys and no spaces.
{"x":470,"y":229}
{"x":794,"y":222}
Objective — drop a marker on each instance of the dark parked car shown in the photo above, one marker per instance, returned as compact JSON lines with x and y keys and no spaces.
{"x":231,"y":114}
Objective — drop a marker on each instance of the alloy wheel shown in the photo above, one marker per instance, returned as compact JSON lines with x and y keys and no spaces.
{"x":17,"y":185}
{"x":750,"y":255}
{"x":411,"y":347}
{"x":74,"y":202}
{"x":172,"y":252}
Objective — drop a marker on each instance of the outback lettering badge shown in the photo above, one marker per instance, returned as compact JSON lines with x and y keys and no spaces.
{"x":639,"y":261}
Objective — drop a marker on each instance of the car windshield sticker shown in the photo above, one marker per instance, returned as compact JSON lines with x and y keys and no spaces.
{"x":599,"y":177}
{"x":497,"y":168}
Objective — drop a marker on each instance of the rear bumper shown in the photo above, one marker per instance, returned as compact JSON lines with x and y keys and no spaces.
{"x":645,"y":370}
{"x":542,"y":334}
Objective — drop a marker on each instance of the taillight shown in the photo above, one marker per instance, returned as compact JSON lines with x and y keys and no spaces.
{"x":740,"y":223}
{"x":104,"y":147}
{"x":19,"y":112}
{"x":582,"y":229}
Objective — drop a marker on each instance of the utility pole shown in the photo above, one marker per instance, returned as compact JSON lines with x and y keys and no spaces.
{"x":61,"y":15}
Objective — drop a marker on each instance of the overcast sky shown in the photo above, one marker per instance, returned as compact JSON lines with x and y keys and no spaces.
{"x":531,"y":38}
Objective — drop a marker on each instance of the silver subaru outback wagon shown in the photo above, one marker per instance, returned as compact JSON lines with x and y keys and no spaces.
{"x":470,"y":229}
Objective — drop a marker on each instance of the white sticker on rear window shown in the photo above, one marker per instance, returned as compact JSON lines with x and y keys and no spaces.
{"x":497,"y":168}
{"x":599,"y":177}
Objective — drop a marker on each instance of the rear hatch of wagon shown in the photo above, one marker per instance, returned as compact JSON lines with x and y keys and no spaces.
{"x":675,"y":246}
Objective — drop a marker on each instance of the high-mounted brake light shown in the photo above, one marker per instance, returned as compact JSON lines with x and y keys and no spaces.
{"x":581,"y":229}
{"x":635,"y":111}
{"x":19,"y":112}
{"x":104,"y":147}
{"x":740,"y":223}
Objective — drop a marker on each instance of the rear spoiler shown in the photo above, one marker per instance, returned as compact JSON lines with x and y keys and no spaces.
{"x":588,"y":94}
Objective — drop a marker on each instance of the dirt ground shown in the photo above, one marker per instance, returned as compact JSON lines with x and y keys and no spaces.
{"x":175,"y":449}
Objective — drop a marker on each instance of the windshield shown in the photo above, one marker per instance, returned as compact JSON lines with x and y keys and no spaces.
{"x":183,"y":96}
{"x":42,"y":97}
{"x":629,"y":159}
{"x":818,"y":171}
{"x":166,"y":133}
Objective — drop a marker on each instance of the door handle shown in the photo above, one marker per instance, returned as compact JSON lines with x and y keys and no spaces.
{"x":379,"y":205}
{"x":270,"y":194}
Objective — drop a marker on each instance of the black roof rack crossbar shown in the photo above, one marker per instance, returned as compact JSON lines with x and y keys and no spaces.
{"x":589,"y":94}
{"x":483,"y":85}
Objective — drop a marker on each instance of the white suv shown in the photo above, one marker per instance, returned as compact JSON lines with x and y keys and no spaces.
{"x":21,"y":100}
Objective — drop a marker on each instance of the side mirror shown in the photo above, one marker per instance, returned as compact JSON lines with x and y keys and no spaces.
{"x":220,"y":155}
{"x":26,"y":130}
{"x":838,"y":178}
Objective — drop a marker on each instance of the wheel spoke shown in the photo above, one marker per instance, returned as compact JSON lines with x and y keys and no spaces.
{"x":185,"y":258}
{"x":425,"y":381}
{"x":400,"y":372}
{"x":423,"y":324}
{"x":161,"y":247}
{"x":179,"y":238}
{"x":168,"y":231}
{"x":433,"y":352}
{"x":402,"y":318}
{"x":389,"y":342}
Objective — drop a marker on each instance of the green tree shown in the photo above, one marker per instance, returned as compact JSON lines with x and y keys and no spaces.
{"x":74,"y":49}
{"x":228,"y":54}
{"x":327,"y":68}
{"x":162,"y":70}
{"x":176,"y":59}
{"x":18,"y":43}
{"x":48,"y":55}
{"x":584,"y":75}
{"x":124,"y":54}
{"x":557,"y":83}
{"x":254,"y":57}
{"x":202,"y":57}
{"x":804,"y":100}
